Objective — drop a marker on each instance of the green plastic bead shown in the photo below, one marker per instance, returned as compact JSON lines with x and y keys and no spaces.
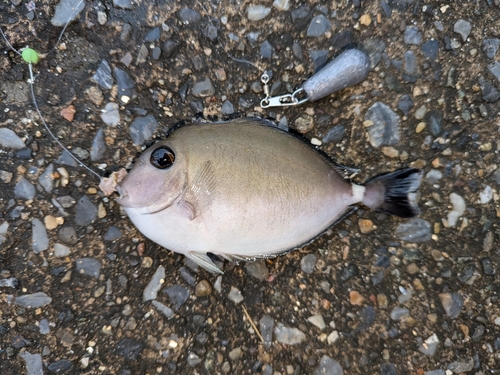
{"x":30,"y":56}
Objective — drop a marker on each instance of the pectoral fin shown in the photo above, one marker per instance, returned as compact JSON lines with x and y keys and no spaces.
{"x":203,"y":260}
{"x":199,"y":194}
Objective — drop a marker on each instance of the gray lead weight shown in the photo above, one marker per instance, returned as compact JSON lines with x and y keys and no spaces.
{"x":347,"y":69}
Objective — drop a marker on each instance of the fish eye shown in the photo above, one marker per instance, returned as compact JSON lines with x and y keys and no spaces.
{"x":162,"y":158}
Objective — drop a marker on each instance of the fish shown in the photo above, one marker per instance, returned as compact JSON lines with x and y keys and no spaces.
{"x":244,"y":190}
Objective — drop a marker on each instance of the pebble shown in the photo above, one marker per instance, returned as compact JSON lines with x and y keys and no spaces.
{"x":412,"y":35}
{"x":356,"y":298}
{"x":153,"y":35}
{"x":60,"y":366}
{"x":61,"y":250}
{"x":211,"y":32}
{"x":266,"y":325}
{"x":494,"y":69}
{"x":319,"y":58}
{"x":44,"y":327}
{"x":9,"y":139}
{"x":288,"y":335}
{"x":169,"y":47}
{"x":429,"y":346}
{"x":433,"y":176}
{"x":385,"y":128}
{"x":375,"y":49}
{"x":154,"y":285}
{"x":113,"y":233}
{"x":388,"y":369}
{"x":452,"y":304}
{"x":405,"y":103}
{"x":98,"y":148}
{"x":318,"y":321}
{"x":463,"y":28}
{"x":420,"y":112}
{"x":410,"y":67}
{"x":488,"y":268}
{"x":10,"y":282}
{"x":111,"y":114}
{"x":235,"y":295}
{"x":308,"y":263}
{"x":68,"y":235}
{"x":489,"y":92}
{"x":461,"y":367}
{"x":46,"y":180}
{"x":266,"y":50}
{"x":257,"y":12}
{"x":142,"y":55}
{"x":430,"y":49}
{"x":126,"y":86}
{"x":203,"y":288}
{"x":486,"y":195}
{"x":142,"y":129}
{"x":86,"y":211}
{"x":40,"y":239}
{"x":33,"y":363}
{"x":165,"y":310}
{"x":414,"y":230}
{"x":318,"y":26}
{"x":124,"y":4}
{"x":235,"y":354}
{"x":398,"y":313}
{"x":365,"y":20}
{"x":335,"y":134}
{"x":103,"y":76}
{"x":304,"y":124}
{"x":203,"y":89}
{"x":366,"y":225}
{"x":282,"y":5}
{"x":490,"y":47}
{"x":189,"y":16}
{"x":328,"y":366}
{"x":257,"y":269}
{"x":227,"y":108}
{"x":88,"y":266}
{"x":193,"y":360}
{"x":333,"y":337}
{"x":458,"y":204}
{"x":33,"y":301}
{"x":129,"y":348}
{"x":24,"y":189}
{"x":68,"y":113}
{"x":178,"y":295}
{"x":434,"y":119}
{"x":66,"y":10}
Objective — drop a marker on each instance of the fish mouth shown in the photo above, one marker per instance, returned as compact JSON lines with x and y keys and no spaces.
{"x":124,"y":197}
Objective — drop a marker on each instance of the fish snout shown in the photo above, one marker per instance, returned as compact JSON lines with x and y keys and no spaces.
{"x":123,"y":198}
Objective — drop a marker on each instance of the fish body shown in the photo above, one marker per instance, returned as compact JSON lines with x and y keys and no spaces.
{"x":241,"y":190}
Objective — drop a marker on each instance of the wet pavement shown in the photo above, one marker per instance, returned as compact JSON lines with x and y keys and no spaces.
{"x":82,"y":291}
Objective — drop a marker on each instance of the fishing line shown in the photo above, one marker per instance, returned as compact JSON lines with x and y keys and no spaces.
{"x":32,"y":57}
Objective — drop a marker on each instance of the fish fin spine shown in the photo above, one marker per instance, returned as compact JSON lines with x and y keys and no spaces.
{"x":393,"y":193}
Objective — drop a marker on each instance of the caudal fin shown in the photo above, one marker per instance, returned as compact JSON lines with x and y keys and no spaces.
{"x":392,"y":192}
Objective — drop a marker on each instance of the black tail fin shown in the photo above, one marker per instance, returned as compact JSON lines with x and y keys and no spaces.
{"x":392,"y":192}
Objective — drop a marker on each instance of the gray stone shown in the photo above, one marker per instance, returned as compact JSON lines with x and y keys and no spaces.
{"x":319,"y":58}
{"x":412,"y":35}
{"x":46,"y":180}
{"x":398,"y":313}
{"x":488,"y":268}
{"x":24,"y":189}
{"x":189,"y":16}
{"x":111,"y":114}
{"x":44,"y":327}
{"x":67,"y":10}
{"x":211,"y":32}
{"x":60,"y":366}
{"x":169,"y":47}
{"x":429,"y":346}
{"x":33,"y":362}
{"x":490,"y":47}
{"x":227,"y":108}
{"x":40,"y":239}
{"x":266,"y":50}
{"x":154,"y":285}
{"x":68,"y":235}
{"x":318,"y":26}
{"x":288,"y":335}
{"x":143,"y":129}
{"x":88,"y":266}
{"x":328,"y":366}
{"x":124,"y":4}
{"x":297,"y":51}
{"x":142,"y":55}
{"x":113,"y":233}
{"x":335,"y":134}
{"x":9,"y":139}
{"x":434,"y":119}
{"x":414,"y":230}
{"x":178,"y":295}
{"x":435,"y":372}
{"x":61,"y":250}
{"x":103,"y":75}
{"x":385,"y":128}
{"x":258,"y":269}
{"x":11,"y":282}
{"x":375,"y":49}
{"x":257,"y":12}
{"x":165,"y":310}
{"x":410,"y":67}
{"x":235,"y":295}
{"x":461,"y":367}
{"x":98,"y":147}
{"x":433,"y":176}
{"x":452,"y":304}
{"x":266,"y":325}
{"x":126,"y":86}
{"x":388,"y":369}
{"x":129,"y":348}
{"x":308,"y":262}
{"x":463,"y":28}
{"x":33,"y":301}
{"x":86,"y":211}
{"x":67,"y":159}
{"x":156,"y":53}
{"x":153,"y":35}
{"x":405,"y":103}
{"x":202,"y":89}
{"x":430,"y":49}
{"x":193,"y":360}
{"x":489,"y":92}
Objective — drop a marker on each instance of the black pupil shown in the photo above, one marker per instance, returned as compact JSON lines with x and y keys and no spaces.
{"x":162,"y":158}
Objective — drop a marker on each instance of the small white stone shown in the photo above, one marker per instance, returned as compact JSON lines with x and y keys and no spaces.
{"x":317,"y":320}
{"x":333,"y":337}
{"x":486,"y":195}
{"x":458,"y":204}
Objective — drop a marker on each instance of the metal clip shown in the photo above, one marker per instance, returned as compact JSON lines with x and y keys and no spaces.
{"x":285,"y":100}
